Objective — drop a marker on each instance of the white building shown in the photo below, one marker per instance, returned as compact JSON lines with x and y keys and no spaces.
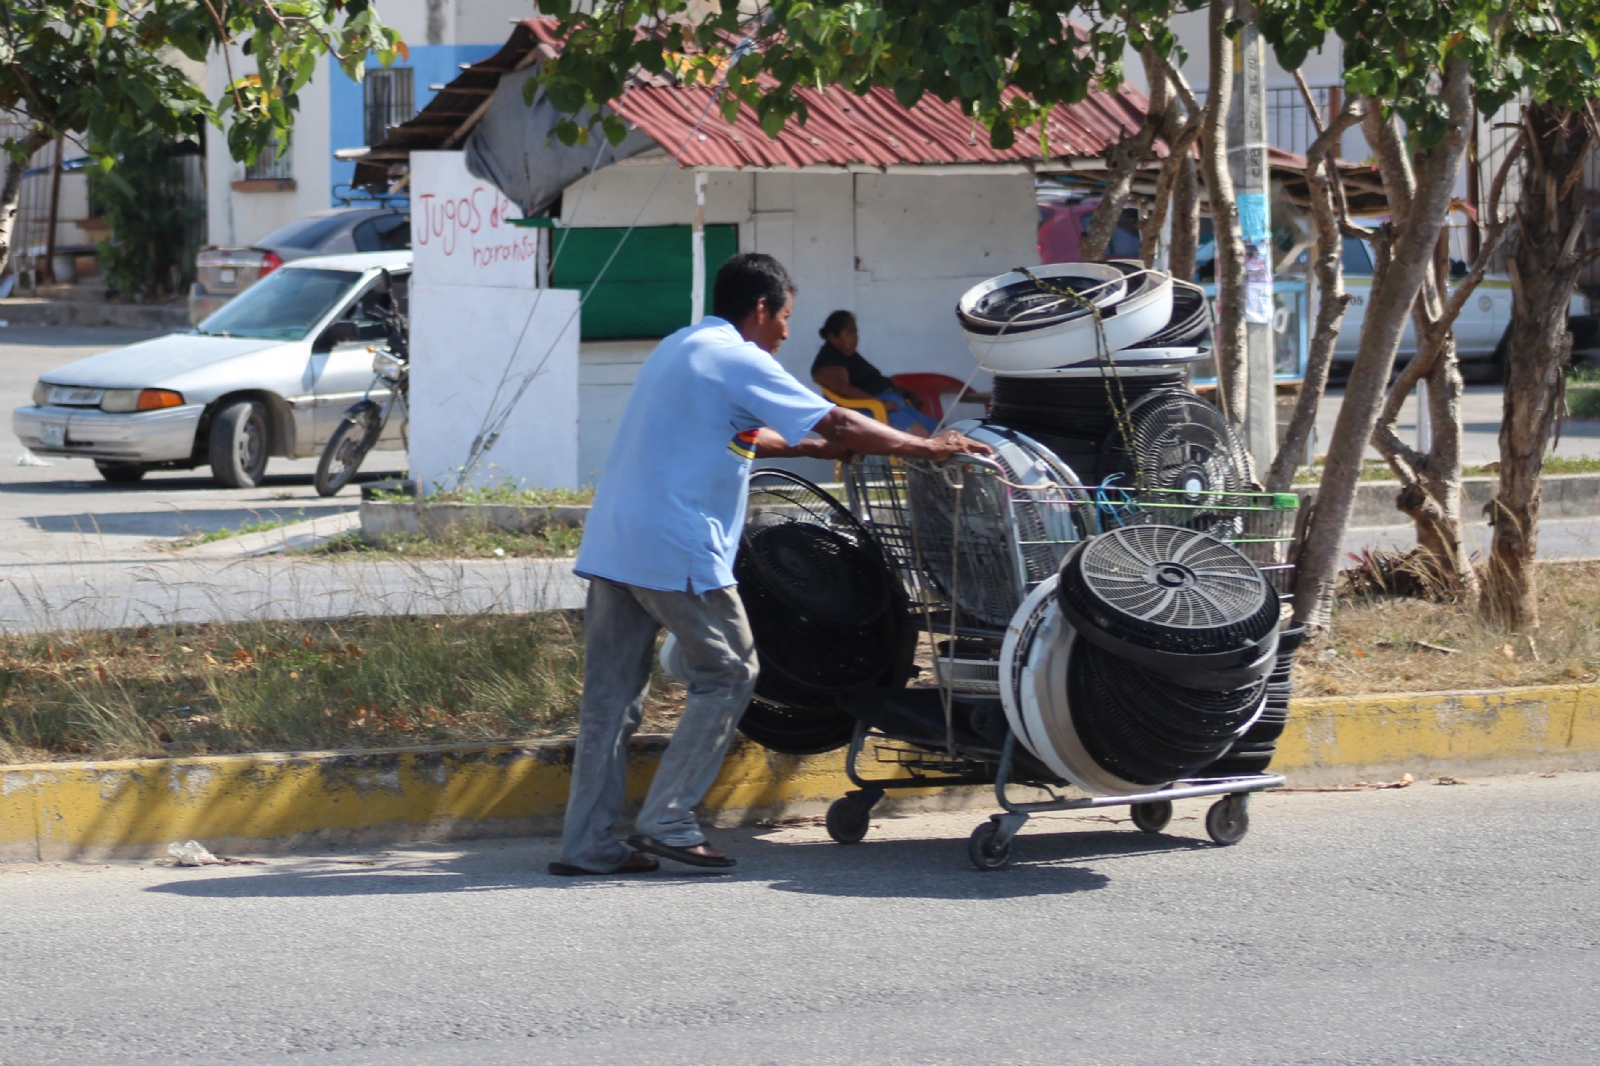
{"x":888,"y":212}
{"x":245,"y":204}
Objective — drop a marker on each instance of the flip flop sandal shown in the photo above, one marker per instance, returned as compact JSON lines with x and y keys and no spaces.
{"x":632,"y":866}
{"x":640,"y":842}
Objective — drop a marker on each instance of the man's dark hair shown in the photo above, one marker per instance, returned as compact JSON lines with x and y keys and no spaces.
{"x":747,"y":279}
{"x":836,"y":324}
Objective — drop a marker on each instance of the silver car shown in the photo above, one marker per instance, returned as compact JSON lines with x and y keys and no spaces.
{"x":269,"y":374}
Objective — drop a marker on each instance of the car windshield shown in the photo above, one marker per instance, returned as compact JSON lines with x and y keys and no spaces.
{"x":306,"y":232}
{"x":283,"y":306}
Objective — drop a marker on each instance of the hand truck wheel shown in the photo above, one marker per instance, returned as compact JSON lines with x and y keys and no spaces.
{"x":1228,"y":820}
{"x":1152,"y":817}
{"x":982,"y":851}
{"x":849,"y":818}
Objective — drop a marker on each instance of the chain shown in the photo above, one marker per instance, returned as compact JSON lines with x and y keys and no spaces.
{"x":1118,"y":402}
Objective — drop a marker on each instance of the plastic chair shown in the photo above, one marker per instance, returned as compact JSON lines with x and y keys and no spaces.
{"x":933,"y":388}
{"x":875,"y":408}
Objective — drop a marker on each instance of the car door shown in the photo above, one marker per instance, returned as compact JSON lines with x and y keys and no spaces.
{"x":342,"y":360}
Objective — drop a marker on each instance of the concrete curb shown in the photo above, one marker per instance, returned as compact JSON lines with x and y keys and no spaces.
{"x":263,"y":803}
{"x":387,"y":518}
{"x":1565,"y":496}
{"x":33,"y":311}
{"x":307,"y":534}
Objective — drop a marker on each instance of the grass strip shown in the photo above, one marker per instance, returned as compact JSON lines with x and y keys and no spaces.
{"x":295,"y":686}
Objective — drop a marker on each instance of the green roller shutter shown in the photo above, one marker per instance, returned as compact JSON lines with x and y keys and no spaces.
{"x":645,"y":292}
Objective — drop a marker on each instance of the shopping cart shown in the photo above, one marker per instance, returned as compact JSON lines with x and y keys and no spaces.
{"x":973,"y":542}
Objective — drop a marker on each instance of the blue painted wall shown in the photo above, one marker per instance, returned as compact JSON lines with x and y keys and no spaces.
{"x":435,"y":64}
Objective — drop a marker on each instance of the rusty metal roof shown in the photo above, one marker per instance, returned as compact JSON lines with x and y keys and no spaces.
{"x":842,"y":129}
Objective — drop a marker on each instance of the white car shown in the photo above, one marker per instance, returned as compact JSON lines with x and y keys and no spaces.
{"x":1480,"y":329}
{"x":271,"y":373}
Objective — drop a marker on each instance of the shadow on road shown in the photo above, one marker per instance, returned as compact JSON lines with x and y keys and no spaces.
{"x":169,"y":484}
{"x":1045,"y":864}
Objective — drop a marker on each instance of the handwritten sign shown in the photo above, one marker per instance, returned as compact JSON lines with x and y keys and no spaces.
{"x":461,"y":231}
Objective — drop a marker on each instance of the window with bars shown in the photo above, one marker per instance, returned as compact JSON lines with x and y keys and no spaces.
{"x":270,"y":166}
{"x":390,"y":100}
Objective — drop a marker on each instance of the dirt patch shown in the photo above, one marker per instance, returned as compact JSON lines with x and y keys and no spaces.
{"x":1388,"y":644}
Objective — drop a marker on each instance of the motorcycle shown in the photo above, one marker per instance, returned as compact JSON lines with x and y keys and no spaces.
{"x":363,"y":422}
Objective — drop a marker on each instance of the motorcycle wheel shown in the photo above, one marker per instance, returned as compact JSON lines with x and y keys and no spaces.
{"x":346,"y":449}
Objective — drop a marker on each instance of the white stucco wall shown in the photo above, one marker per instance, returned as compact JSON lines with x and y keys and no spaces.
{"x":897,"y":249}
{"x":236,"y":217}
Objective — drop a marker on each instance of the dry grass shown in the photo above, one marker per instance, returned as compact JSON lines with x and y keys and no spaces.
{"x":288,"y":686}
{"x":1378,"y":642}
{"x":458,"y":542}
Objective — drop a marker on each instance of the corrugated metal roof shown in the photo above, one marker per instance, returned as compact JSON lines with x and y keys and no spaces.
{"x":842,"y":129}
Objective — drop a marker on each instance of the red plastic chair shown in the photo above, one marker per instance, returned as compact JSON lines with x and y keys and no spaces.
{"x":933,"y":388}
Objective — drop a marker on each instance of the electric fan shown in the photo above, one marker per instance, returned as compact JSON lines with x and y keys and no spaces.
{"x":1175,"y":601}
{"x":1255,"y":749}
{"x":984,"y":541}
{"x":827,"y":613}
{"x":1184,"y":450}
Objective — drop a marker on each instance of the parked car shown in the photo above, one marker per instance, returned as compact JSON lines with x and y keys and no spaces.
{"x":225,"y":272}
{"x":270,"y":374}
{"x":1482,"y":328}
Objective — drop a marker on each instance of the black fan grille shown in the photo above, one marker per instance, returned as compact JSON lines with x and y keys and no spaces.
{"x":1254,"y":751}
{"x":1147,"y":731}
{"x":1170,"y":590}
{"x":817,"y":570}
{"x":1184,"y":446}
{"x":813,"y":652}
{"x":797,"y":730}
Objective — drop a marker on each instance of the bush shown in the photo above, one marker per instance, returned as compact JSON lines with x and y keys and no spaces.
{"x":144,"y":200}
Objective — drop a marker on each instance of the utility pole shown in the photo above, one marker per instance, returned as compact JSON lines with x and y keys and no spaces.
{"x":1247,"y":161}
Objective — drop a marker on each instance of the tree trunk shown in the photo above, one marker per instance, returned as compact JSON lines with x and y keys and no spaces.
{"x":1328,"y":263}
{"x":11,"y":192}
{"x":1232,"y":370}
{"x":1123,"y":160}
{"x":1420,"y":213}
{"x":1544,"y":268}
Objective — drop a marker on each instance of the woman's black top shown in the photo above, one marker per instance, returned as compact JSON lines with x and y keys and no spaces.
{"x":863,"y":375}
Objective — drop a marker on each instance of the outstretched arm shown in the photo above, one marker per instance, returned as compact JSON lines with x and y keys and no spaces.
{"x":844,"y":432}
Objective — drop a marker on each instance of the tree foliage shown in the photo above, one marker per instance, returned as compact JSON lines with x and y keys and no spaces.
{"x":1007,"y":64}
{"x":102,"y":69}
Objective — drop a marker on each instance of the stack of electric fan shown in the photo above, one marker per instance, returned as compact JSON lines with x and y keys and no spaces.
{"x":828,"y":613}
{"x":1143,"y":655}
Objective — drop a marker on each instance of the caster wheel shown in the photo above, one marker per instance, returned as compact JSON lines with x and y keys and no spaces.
{"x":1152,"y":817}
{"x":982,"y":851}
{"x":848,"y":819}
{"x":1228,"y":821}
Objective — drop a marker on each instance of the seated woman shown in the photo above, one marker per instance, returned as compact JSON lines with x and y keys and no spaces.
{"x":841,"y":369}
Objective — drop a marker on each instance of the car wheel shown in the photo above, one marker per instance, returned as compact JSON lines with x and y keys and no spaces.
{"x":239,"y":444}
{"x":1493,"y":371}
{"x":121,"y":473}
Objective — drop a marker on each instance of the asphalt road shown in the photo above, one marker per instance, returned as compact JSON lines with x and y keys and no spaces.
{"x":1430,"y":925}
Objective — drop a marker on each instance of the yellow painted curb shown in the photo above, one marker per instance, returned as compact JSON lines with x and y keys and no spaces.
{"x":244,"y":803}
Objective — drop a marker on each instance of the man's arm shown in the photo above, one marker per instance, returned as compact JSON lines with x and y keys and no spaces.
{"x":844,"y":432}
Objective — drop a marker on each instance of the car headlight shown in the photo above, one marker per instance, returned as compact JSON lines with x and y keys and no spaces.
{"x":122,"y":401}
{"x":41,"y":393}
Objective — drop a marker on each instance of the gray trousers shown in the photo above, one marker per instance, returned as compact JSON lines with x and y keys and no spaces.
{"x":621,"y":623}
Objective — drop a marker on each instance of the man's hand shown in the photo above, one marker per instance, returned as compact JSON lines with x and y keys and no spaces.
{"x":950,"y":443}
